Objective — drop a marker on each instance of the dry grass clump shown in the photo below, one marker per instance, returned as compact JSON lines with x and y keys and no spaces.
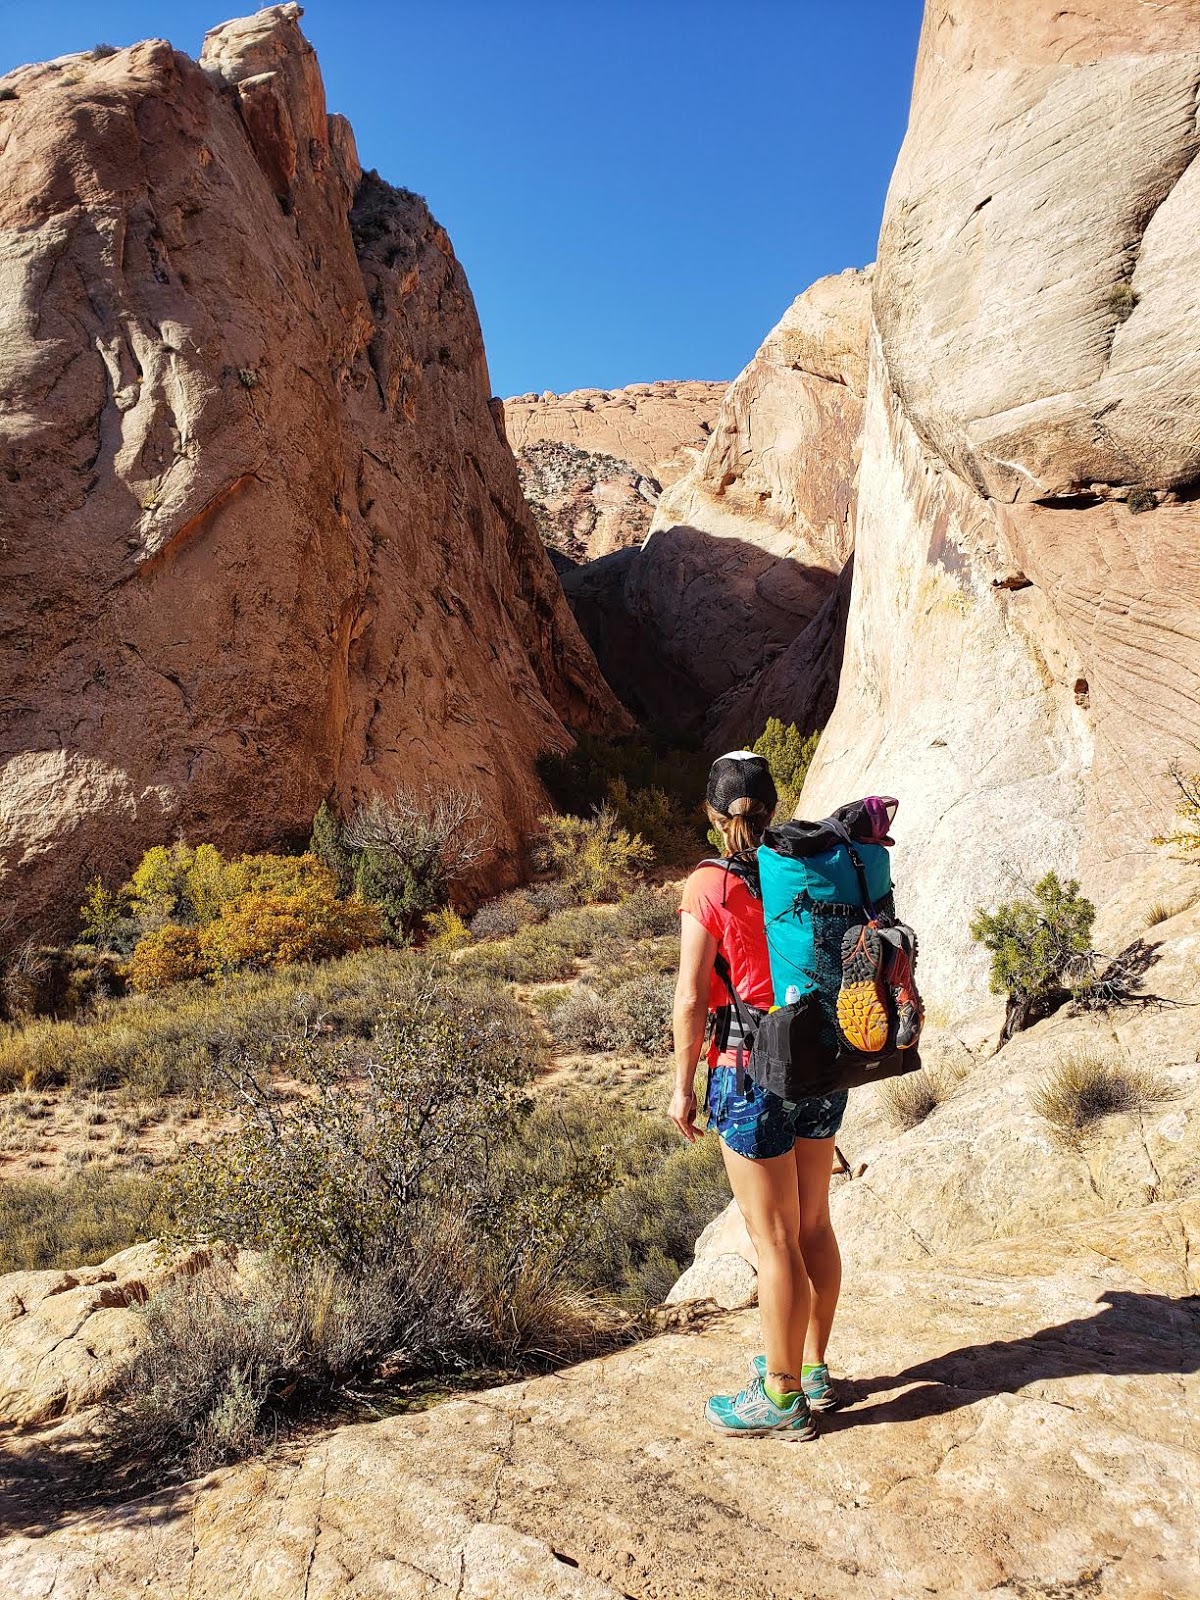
{"x":85,"y":1218}
{"x":1087,"y":1086}
{"x":541,"y":952}
{"x":908,"y":1100}
{"x":634,"y":1014}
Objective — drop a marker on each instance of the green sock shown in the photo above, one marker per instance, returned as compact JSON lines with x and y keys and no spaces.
{"x":809,"y":1367}
{"x":782,"y":1398}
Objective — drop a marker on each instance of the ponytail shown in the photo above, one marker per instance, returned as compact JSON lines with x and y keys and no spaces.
{"x":743,"y":825}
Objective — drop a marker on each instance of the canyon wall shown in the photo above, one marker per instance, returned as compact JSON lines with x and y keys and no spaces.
{"x":594,"y":462}
{"x":1022,"y":653}
{"x":746,"y":547}
{"x":262,"y":538}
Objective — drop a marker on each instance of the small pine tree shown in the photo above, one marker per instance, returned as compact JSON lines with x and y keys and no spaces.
{"x":1034,"y":942}
{"x":789,"y":755}
{"x":328,"y":844}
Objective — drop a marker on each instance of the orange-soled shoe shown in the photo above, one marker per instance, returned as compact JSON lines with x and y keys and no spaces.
{"x":898,"y":975}
{"x":862,"y":1007}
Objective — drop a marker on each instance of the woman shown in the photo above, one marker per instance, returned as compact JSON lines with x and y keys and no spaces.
{"x":778,"y":1154}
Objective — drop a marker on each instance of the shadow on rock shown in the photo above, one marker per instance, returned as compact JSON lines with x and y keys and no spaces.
{"x":1135,"y":1334}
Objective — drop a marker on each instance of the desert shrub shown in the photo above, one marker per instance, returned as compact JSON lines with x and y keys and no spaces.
{"x":445,"y":931}
{"x":1035,"y":942}
{"x":387,"y":1180}
{"x":7,"y":94}
{"x":171,"y":1041}
{"x":75,"y":1221}
{"x":257,"y":875}
{"x":168,"y":885}
{"x":674,"y":832}
{"x":45,"y":981}
{"x":269,"y":929}
{"x":1122,"y":300}
{"x":541,"y":952}
{"x":583,"y":1020}
{"x":500,"y":918}
{"x":645,"y":1229}
{"x":1186,"y":837}
{"x":908,"y":1100}
{"x":642,"y":1008}
{"x":548,"y":899}
{"x":1140,"y":499}
{"x":170,"y":954}
{"x":789,"y":755}
{"x":105,"y":920}
{"x":1089,"y":1085}
{"x":579,"y":780}
{"x":410,"y":848}
{"x":391,"y":1126}
{"x":646,"y":914}
{"x":594,"y":857}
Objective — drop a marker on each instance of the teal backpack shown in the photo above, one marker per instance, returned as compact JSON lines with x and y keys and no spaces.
{"x":847,"y":1011}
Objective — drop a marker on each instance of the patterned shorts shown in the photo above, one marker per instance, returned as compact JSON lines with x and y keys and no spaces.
{"x":759,"y":1124}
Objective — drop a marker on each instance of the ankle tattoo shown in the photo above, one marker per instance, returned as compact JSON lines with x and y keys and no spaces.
{"x":784,"y":1382}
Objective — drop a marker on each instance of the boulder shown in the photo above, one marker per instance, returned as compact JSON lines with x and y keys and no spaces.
{"x":63,"y":1335}
{"x":262,"y":540}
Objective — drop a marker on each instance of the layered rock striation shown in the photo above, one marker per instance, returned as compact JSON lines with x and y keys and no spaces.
{"x":1022,"y":652}
{"x":262,"y":539}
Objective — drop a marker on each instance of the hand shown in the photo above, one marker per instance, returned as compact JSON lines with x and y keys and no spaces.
{"x":683,"y":1113}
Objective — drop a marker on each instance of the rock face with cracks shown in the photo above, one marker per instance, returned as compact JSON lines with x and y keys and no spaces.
{"x":1022,"y":645}
{"x":261,"y":537}
{"x":594,"y":462}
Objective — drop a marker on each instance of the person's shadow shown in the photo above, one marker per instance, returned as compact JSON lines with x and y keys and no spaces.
{"x":1136,"y":1333}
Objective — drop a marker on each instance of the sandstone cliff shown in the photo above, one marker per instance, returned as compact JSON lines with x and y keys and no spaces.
{"x":261,"y":537}
{"x":594,"y":462}
{"x":1022,"y":656}
{"x":745,"y":549}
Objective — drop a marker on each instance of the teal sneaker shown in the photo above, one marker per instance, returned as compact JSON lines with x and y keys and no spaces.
{"x":822,"y":1396}
{"x":754,"y":1413}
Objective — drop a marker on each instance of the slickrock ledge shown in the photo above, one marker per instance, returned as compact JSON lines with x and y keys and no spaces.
{"x":1021,"y":1425}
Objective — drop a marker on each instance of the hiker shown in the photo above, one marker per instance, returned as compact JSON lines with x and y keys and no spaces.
{"x":779,"y":1155}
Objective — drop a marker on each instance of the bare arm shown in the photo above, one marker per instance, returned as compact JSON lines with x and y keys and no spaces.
{"x":697,"y":952}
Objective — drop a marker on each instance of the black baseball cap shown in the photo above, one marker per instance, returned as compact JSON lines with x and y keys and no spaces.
{"x":741,"y":775}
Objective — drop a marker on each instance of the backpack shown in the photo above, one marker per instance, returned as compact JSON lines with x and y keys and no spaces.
{"x":833,"y":940}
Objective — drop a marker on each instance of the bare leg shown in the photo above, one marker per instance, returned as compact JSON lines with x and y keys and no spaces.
{"x":768,"y":1193}
{"x":818,"y":1245}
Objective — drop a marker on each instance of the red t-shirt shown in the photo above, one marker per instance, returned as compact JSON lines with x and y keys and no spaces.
{"x":722,"y":904}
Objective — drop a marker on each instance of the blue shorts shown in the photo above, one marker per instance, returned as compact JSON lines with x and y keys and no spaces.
{"x":759,"y":1124}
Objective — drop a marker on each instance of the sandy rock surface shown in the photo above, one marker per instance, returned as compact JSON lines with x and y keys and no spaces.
{"x":1021,"y":1423}
{"x":658,"y":428}
{"x":64,"y":1334}
{"x":260,"y":536}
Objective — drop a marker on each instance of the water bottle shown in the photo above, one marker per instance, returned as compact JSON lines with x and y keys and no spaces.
{"x":792,"y":995}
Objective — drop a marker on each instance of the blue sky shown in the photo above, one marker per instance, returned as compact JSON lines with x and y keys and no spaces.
{"x":637,"y":188}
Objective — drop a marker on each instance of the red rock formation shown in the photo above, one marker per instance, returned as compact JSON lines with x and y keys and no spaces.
{"x":261,"y":537}
{"x":594,"y":462}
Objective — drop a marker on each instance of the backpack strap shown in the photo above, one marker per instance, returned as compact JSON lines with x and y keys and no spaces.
{"x":747,"y":1019}
{"x":744,"y":867}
